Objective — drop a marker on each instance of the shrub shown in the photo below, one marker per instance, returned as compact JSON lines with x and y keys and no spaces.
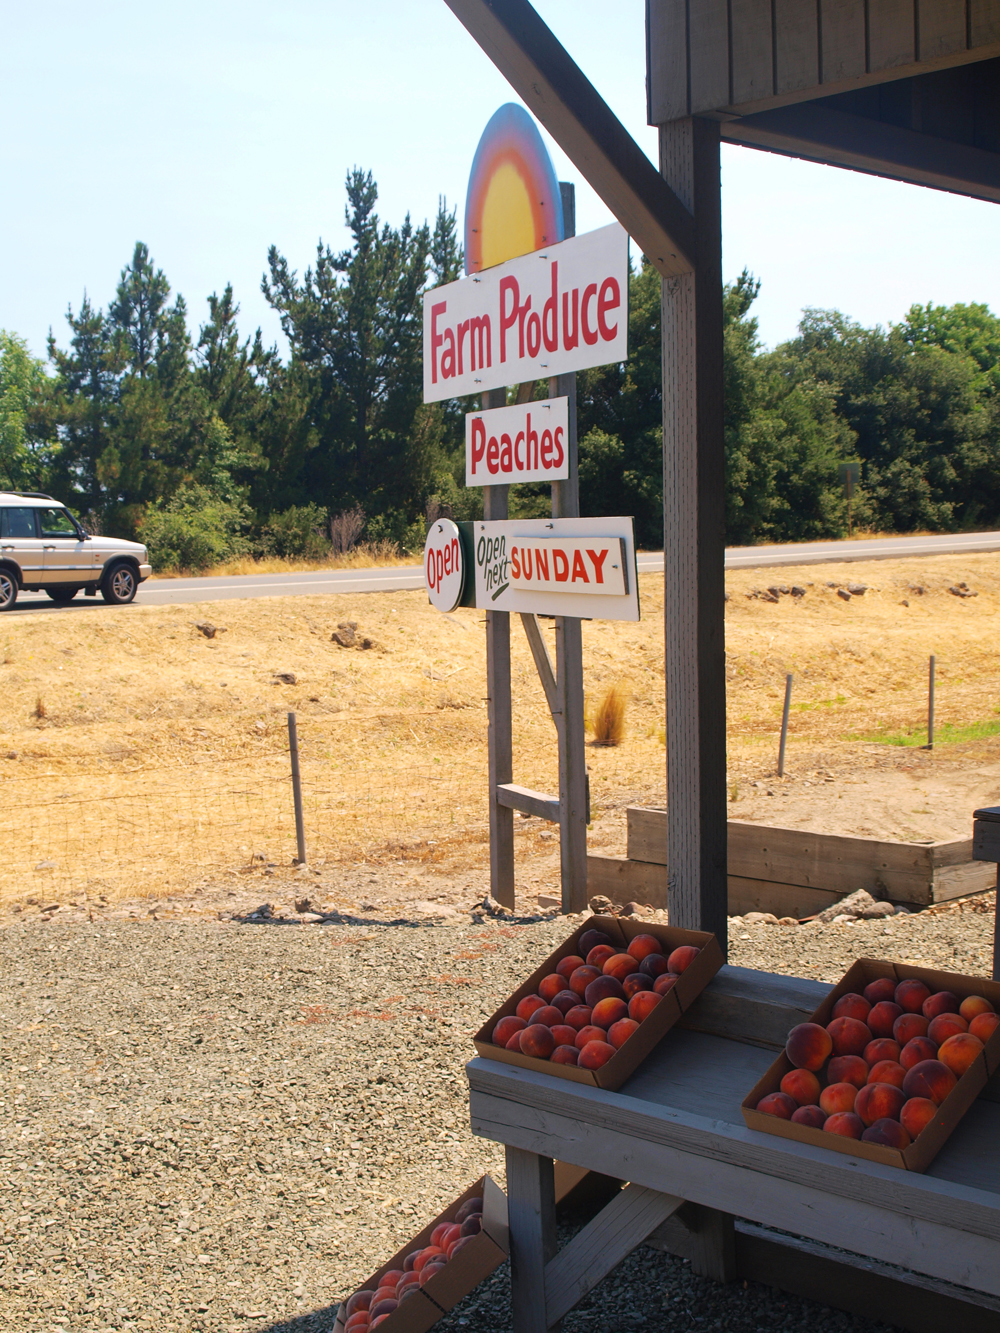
{"x":193,"y":530}
{"x":345,"y":529}
{"x":609,"y":720}
{"x":296,"y":531}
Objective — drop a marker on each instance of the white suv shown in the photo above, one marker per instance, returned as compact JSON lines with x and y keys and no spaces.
{"x":44,"y":548}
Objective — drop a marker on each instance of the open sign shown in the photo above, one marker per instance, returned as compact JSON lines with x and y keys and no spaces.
{"x":444,"y":565}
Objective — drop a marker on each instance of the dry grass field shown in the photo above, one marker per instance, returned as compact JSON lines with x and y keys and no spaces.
{"x":140,"y":757}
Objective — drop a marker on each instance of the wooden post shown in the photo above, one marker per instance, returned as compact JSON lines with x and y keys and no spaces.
{"x":300,"y":828}
{"x":500,"y":734}
{"x":930,"y":703}
{"x":784,"y":725}
{"x":694,"y":542}
{"x":531,"y":1210}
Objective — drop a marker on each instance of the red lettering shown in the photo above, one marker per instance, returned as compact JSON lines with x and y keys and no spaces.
{"x":456,"y":555}
{"x":579,"y":568}
{"x":532,"y":435}
{"x":558,"y":556}
{"x":534,"y":335}
{"x":506,"y":462}
{"x":448,"y":356}
{"x":480,"y":330}
{"x":463,"y":329}
{"x":521,"y":315}
{"x":436,"y":338}
{"x":589,"y":334}
{"x":551,"y":308}
{"x":571,"y":340}
{"x":429,"y":572}
{"x":478,"y":442}
{"x":526,"y":561}
{"x":558,"y":460}
{"x":493,"y":455}
{"x":598,"y":558}
{"x":447,"y":559}
{"x":609,"y":299}
{"x":541,"y":565}
{"x":507,"y":318}
{"x":515,"y":564}
{"x":546,"y":449}
{"x":518,"y":441}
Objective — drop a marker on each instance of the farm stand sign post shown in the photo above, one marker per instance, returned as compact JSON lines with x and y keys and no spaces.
{"x":538,"y":303}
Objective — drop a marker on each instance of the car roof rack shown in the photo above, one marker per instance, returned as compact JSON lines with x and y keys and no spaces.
{"x":34,"y":495}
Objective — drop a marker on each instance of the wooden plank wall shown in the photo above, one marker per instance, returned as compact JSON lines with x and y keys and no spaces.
{"x":743,"y":55}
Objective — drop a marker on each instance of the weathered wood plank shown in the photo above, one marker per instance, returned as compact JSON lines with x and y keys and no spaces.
{"x":543,"y":664}
{"x":513,"y":797}
{"x":500,"y":726}
{"x":796,"y":45}
{"x":646,"y":832}
{"x":708,"y":45}
{"x":986,"y":841}
{"x":602,"y":1244}
{"x":757,"y":1007}
{"x":842,"y":40}
{"x":959,"y":881}
{"x":984,"y":22}
{"x":531,"y":1209}
{"x":762,"y":895}
{"x":891,"y":34}
{"x":666,"y":57}
{"x":625,"y":881}
{"x":752,"y":74}
{"x":941,"y":28}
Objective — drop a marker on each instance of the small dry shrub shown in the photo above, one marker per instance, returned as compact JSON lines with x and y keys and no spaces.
{"x":39,"y":708}
{"x":609,"y":718}
{"x":345,"y":530}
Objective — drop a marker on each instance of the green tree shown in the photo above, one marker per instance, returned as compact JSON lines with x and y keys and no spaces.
{"x":22,"y":384}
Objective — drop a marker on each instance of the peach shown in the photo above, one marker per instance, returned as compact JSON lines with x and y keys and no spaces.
{"x":358,"y":1320}
{"x":550,"y":986}
{"x":959,"y":1052}
{"x":515,"y":1042}
{"x":582,"y":977}
{"x":452,"y":1233}
{"x":425,"y":1256}
{"x":564,"y":1055}
{"x":889,"y":1132}
{"x":642,"y":1005}
{"x":653,"y":965}
{"x":436,"y":1236}
{"x":411,"y":1279}
{"x":603,"y":988}
{"x":664,"y":983}
{"x":915,"y":1050}
{"x":847,"y":1069}
{"x":879,"y":1101}
{"x":528,"y":1005}
{"x":838,"y":1097}
{"x":473,"y":1205}
{"x":887,"y":1071}
{"x":809,"y":1046}
{"x":883,"y":1015}
{"x":600,"y":954}
{"x":884,"y":988}
{"x":852,"y":1006}
{"x":563,"y":1034}
{"x":882,"y":1048}
{"x":427,"y":1272}
{"x":940,"y":1002}
{"x":974,"y":1005}
{"x":460,"y":1244}
{"x":548,"y":1015}
{"x":636,"y":982}
{"x":802,"y":1086}
{"x":506,"y":1029}
{"x":983,"y":1026}
{"x":380,"y":1320}
{"x":361,"y":1300}
{"x":916,"y":1115}
{"x":945,"y":1026}
{"x":619,"y":966}
{"x":811,"y":1116}
{"x":590,"y":938}
{"x":849,"y":1036}
{"x":578,"y":1017}
{"x":681,"y":959}
{"x":608,"y":1011}
{"x":472,"y":1225}
{"x":566,"y":1000}
{"x":409,"y":1261}
{"x":931,"y":1079}
{"x":910,"y":995}
{"x":537,"y":1040}
{"x":908,"y":1026}
{"x":589,"y":1033}
{"x":845,"y":1123}
{"x":568,"y":965}
{"x":595,"y":1054}
{"x":779,"y":1104}
{"x":641,"y":946}
{"x":619,"y":1033}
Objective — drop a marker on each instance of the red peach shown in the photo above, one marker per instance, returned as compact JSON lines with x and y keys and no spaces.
{"x":436,"y":1235}
{"x":619,"y":1033}
{"x":590,"y":938}
{"x":589,"y":1033}
{"x":619,"y":966}
{"x":641,"y":946}
{"x":809,"y":1046}
{"x":974,"y":1005}
{"x":600,"y":954}
{"x":548,"y":1015}
{"x":563,"y":1034}
{"x":473,"y":1205}
{"x":908,"y":1026}
{"x":882,"y":1048}
{"x":428,"y":1271}
{"x":653,"y":965}
{"x":456,"y":1243}
{"x":847,"y":1069}
{"x":460,"y":1244}
{"x":380,"y":1320}
{"x":811,"y":1116}
{"x":930,"y":1079}
{"x":595,"y":1054}
{"x":452,"y":1233}
{"x":852,"y":1006}
{"x":408,"y":1262}
{"x":537,"y":1040}
{"x":910,"y":995}
{"x":550,"y":986}
{"x":845,"y":1123}
{"x":883,"y":1015}
{"x":358,"y":1320}
{"x":515,"y":1042}
{"x":681,"y":959}
{"x":564,"y":1055}
{"x":838,"y":1097}
{"x":528,"y":1005}
{"x":506,"y":1029}
{"x":915,"y":1050}
{"x":878,"y":1101}
{"x":983,"y":1026}
{"x":472,"y":1225}
{"x":945,"y":1026}
{"x":578,"y":1017}
{"x":642,"y":1005}
{"x":887,"y":1071}
{"x":779,"y":1104}
{"x":884,"y":988}
{"x":566,"y":1000}
{"x":665,"y":982}
{"x":916,"y":1115}
{"x":960,"y":1052}
{"x":603,"y":988}
{"x":889,"y":1132}
{"x":582,"y":977}
{"x":425,"y":1256}
{"x":360,"y":1300}
{"x":849,"y":1036}
{"x":608,"y":1011}
{"x":802,"y":1086}
{"x":636,"y":982}
{"x":384,"y":1293}
{"x":568,"y":965}
{"x":940,"y":1002}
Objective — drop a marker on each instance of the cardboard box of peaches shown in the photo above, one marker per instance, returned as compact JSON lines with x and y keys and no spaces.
{"x":887,"y":1065}
{"x":599,"y":1004}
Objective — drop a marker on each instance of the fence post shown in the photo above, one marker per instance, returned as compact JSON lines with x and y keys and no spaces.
{"x":930,"y":704}
{"x":784,"y":725}
{"x":293,"y":746}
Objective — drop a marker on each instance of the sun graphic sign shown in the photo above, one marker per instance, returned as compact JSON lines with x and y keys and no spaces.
{"x":514,"y":204}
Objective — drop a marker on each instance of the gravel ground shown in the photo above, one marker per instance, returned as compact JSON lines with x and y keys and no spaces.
{"x":214,"y":1126}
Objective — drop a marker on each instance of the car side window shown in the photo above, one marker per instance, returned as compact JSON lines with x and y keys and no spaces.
{"x":57,"y":523}
{"x":17,"y":522}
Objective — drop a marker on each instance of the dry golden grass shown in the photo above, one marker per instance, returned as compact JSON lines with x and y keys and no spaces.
{"x":139,"y":756}
{"x":609,"y":718}
{"x":366,"y":555}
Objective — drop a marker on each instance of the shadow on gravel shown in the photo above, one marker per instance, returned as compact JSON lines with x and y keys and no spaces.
{"x":319,"y":1321}
{"x":338,"y":919}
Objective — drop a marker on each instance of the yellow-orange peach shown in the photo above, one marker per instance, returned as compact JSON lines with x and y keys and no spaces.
{"x":548,"y":1015}
{"x":641,"y":946}
{"x":876,"y":1101}
{"x":802,"y":1086}
{"x":974,"y":1005}
{"x":915,"y":1050}
{"x":619,"y":1033}
{"x":837,"y":1097}
{"x":506,"y":1028}
{"x":642,"y":1005}
{"x":665,"y":982}
{"x":595,"y":1054}
{"x":940,"y":1002}
{"x":887,"y":1071}
{"x":564,"y":1055}
{"x":852,"y":1006}
{"x":589,"y":1033}
{"x":582,"y":977}
{"x":945,"y":1026}
{"x":537,"y":1040}
{"x":930,"y":1079}
{"x":681,"y":959}
{"x":550,"y":986}
{"x":619,"y":966}
{"x":908,"y":1026}
{"x":811,"y":1116}
{"x":917,"y":1114}
{"x":568,"y":965}
{"x":960,"y":1052}
{"x":910,"y":995}
{"x":563,"y":1034}
{"x":889,"y":1132}
{"x":591,"y":937}
{"x":528,"y":1005}
{"x":603,"y":988}
{"x":636,"y":982}
{"x":882,"y":1048}
{"x":983,"y":1026}
{"x":849,"y":1036}
{"x":600,"y":954}
{"x":608,"y":1011}
{"x":845,"y":1123}
{"x":884,"y":988}
{"x":809,"y":1046}
{"x":847,"y":1069}
{"x":566,"y":1000}
{"x":779,"y":1104}
{"x":653,"y":965}
{"x":578,"y":1017}
{"x":882,"y":1017}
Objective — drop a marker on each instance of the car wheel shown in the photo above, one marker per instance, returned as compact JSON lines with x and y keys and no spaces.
{"x":8,"y":589}
{"x":120,"y":584}
{"x":62,"y":594}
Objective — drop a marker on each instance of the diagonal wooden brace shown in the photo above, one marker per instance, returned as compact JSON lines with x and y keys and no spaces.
{"x":543,"y":664}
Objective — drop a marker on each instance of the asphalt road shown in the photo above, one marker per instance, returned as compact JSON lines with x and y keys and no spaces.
{"x":171,"y":592}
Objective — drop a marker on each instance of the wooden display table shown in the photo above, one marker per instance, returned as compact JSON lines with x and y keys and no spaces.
{"x":676,"y":1133}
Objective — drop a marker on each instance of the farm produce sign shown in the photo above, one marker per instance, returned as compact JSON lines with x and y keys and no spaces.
{"x":525,"y":442}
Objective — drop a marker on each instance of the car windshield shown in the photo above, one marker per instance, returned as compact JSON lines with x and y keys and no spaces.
{"x":17,"y":522}
{"x":57,"y":523}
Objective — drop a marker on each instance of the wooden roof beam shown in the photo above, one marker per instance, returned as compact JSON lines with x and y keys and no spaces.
{"x":564,"y":100}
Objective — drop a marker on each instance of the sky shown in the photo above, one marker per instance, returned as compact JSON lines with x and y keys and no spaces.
{"x":212,"y":130}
